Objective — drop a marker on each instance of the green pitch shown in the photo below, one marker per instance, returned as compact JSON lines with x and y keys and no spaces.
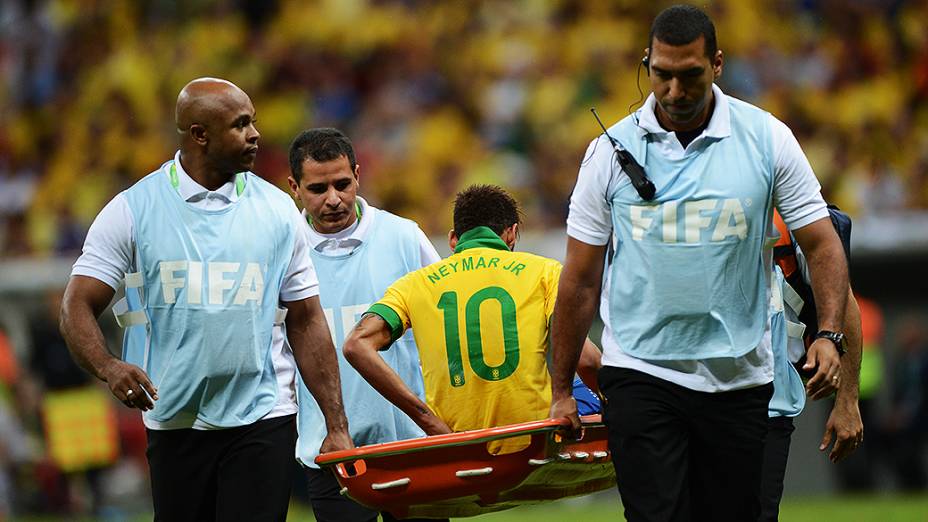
{"x":871,"y":508}
{"x":889,"y":508}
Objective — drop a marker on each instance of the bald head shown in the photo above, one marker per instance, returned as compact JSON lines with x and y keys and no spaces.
{"x":216,"y":123}
{"x":204,"y":99}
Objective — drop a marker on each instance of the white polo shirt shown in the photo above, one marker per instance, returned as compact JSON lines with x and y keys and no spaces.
{"x":796,"y":194}
{"x":107,"y":255}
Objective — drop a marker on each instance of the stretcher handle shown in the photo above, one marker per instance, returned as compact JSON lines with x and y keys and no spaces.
{"x":392,"y":484}
{"x":479,"y":472}
{"x":451,"y":440}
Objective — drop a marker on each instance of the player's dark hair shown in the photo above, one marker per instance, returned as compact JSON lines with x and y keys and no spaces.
{"x":485,"y":206}
{"x":322,"y":144}
{"x":683,"y":24}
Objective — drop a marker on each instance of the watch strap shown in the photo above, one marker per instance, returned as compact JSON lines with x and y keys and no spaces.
{"x":836,"y":338}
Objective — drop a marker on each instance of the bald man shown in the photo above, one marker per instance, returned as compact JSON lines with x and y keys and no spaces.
{"x":215,"y":264}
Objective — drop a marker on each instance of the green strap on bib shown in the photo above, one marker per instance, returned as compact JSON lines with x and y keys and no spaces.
{"x":175,"y":180}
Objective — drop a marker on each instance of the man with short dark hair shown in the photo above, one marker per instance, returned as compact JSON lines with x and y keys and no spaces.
{"x":687,"y":360}
{"x":358,"y":251}
{"x":480,"y":319}
{"x":214,"y":263}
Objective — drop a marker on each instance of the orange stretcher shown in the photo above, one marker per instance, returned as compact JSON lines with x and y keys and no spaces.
{"x":455,"y":475}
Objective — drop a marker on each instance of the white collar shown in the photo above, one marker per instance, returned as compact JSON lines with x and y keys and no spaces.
{"x":719,"y":124}
{"x":191,"y":190}
{"x":353,"y":235}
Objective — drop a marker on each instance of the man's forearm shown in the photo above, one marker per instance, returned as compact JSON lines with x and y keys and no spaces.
{"x":850,"y":364}
{"x":573,"y":315}
{"x":365,"y":359}
{"x":590,"y":364}
{"x":318,"y":365}
{"x":361,"y":350}
{"x":828,"y":272}
{"x":81,"y":332}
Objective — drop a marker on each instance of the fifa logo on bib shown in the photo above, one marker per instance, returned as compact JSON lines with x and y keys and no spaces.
{"x":719,"y":219}
{"x":221,"y":279}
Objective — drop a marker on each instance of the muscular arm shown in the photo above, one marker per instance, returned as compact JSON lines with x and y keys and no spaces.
{"x":371,"y":335}
{"x":315,"y":357}
{"x":850,"y":364}
{"x":829,"y":276}
{"x":578,"y":297}
{"x":84,"y":300}
{"x":844,"y":420}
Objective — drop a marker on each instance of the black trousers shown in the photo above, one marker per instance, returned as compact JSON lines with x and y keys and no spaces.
{"x":239,"y":473}
{"x":776,"y":454}
{"x":330,"y":506}
{"x":682,"y":455}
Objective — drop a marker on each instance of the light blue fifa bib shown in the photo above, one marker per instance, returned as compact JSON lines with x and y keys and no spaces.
{"x":689,"y":271}
{"x":201,"y":305}
{"x":348,"y":284}
{"x":789,"y":394}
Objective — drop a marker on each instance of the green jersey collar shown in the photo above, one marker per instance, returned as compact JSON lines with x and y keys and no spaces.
{"x":480,"y":237}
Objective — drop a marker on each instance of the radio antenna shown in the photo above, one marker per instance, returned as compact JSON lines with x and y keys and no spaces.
{"x":633,"y":170}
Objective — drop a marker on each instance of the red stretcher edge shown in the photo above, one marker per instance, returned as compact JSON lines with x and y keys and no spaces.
{"x":451,"y":439}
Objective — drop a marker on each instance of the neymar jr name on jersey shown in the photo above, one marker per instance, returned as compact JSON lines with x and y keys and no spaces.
{"x":468,"y":263}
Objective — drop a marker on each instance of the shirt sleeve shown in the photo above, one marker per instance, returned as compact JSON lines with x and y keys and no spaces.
{"x":796,"y":191}
{"x":394,"y":306}
{"x":553,"y":277}
{"x":428,"y":254}
{"x":107,"y":252}
{"x":300,"y":280}
{"x":589,"y":219}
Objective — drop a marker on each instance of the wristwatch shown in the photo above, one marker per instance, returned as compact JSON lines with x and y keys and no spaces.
{"x":835,"y":337}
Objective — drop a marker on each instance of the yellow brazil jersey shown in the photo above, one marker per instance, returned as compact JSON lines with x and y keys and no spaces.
{"x":480,"y":319}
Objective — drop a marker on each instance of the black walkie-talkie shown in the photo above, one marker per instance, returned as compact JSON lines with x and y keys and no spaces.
{"x":633,"y":170}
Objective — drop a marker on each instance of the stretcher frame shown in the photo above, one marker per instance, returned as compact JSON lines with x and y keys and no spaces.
{"x":456,"y":475}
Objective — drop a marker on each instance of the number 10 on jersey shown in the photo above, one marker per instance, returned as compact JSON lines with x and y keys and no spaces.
{"x":448,"y":303}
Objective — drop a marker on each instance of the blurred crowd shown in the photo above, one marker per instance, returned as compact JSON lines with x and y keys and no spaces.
{"x":436,"y":95}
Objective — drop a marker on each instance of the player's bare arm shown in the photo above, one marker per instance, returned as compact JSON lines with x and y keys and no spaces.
{"x":368,"y":337}
{"x":591,"y":360}
{"x":828,"y":272}
{"x":577,"y":301}
{"x":85,"y":298}
{"x":315,"y":356}
{"x":844,"y":422}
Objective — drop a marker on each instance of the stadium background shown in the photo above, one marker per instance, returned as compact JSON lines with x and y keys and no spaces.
{"x":436,"y":96}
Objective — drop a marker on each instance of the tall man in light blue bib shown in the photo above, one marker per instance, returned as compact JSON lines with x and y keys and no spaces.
{"x":212,"y":266}
{"x":666,"y":303}
{"x":687,"y":364}
{"x":358,"y":251}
